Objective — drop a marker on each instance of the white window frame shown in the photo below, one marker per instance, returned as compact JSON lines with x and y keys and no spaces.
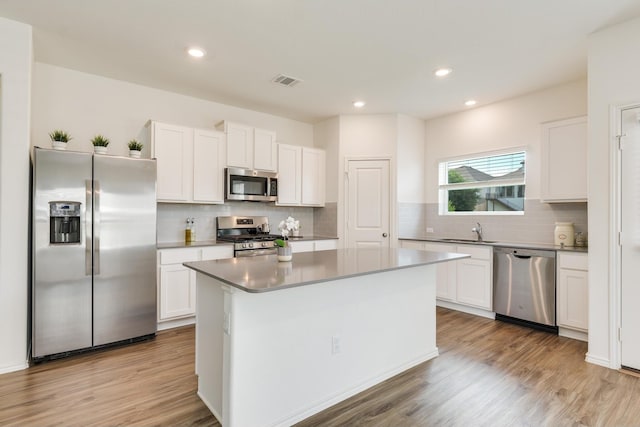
{"x":443,"y":189}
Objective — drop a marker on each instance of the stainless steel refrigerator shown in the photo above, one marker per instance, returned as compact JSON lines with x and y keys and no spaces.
{"x":94,"y":251}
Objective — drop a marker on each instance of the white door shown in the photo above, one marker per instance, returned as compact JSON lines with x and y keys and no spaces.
{"x":630,"y":227}
{"x":368,"y":204}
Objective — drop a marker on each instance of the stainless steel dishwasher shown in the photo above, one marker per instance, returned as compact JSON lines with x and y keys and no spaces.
{"x":524,"y":286}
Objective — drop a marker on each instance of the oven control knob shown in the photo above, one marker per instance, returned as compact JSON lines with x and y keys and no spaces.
{"x":264,"y":245}
{"x":250,"y":245}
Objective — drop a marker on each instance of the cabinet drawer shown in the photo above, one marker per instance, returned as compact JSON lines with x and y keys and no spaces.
{"x":325,"y":245}
{"x":439,"y":247}
{"x":573,"y":261}
{"x":217,"y":252}
{"x":178,"y":256}
{"x":476,"y":252}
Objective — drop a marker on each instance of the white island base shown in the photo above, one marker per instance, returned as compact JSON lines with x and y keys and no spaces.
{"x":276,"y":358}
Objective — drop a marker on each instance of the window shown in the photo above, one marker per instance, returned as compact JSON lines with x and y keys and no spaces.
{"x":487,"y":184}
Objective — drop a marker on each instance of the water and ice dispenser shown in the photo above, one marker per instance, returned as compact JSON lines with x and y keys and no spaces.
{"x":64,"y":222}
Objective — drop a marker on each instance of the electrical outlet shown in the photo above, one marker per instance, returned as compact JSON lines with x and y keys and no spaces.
{"x":335,"y":344}
{"x":429,"y":229}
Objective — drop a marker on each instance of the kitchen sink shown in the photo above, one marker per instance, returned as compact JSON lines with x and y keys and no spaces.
{"x":467,"y":241}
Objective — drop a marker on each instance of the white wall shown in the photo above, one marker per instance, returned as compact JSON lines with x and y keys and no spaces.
{"x":366,"y":136}
{"x":326,"y":135}
{"x":614,"y":70}
{"x":411,"y":148}
{"x":15,"y":84}
{"x":86,"y":104}
{"x":502,"y":125}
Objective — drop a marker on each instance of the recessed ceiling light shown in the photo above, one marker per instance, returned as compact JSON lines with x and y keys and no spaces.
{"x":470,"y":102}
{"x":196,"y":52}
{"x":442,"y":72}
{"x":358,"y":104}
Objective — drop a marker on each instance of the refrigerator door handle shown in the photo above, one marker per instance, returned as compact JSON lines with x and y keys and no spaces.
{"x":87,"y":228}
{"x":96,"y":228}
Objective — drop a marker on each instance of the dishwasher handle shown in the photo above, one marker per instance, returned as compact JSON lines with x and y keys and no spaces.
{"x":523,"y":253}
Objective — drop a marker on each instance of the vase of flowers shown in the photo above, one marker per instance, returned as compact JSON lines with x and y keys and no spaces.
{"x":287,"y":227}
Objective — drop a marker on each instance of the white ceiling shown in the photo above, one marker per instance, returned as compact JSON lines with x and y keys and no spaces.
{"x":380,"y":51}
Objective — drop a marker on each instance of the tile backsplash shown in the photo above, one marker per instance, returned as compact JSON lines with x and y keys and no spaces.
{"x":172,"y":218}
{"x":535,"y":226}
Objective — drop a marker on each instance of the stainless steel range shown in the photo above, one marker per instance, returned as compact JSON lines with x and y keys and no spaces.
{"x":249,"y":234}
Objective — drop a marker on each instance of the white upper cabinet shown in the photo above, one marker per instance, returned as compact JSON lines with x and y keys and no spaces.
{"x":563,"y":162}
{"x":249,"y":147}
{"x":208,"y":166}
{"x":301,"y":176}
{"x":190,"y":163}
{"x":289,"y":174}
{"x":265,"y":153}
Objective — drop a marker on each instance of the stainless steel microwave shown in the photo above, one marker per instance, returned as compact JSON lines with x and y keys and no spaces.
{"x":251,"y":185}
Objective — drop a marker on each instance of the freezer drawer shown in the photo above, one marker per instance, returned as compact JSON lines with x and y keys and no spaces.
{"x":525,"y":284}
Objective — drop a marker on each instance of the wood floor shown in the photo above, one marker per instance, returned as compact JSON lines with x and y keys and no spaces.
{"x":488,"y":374}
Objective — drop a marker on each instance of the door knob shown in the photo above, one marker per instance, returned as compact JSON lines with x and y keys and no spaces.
{"x":384,"y":234}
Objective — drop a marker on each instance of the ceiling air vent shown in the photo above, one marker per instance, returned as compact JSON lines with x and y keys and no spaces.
{"x":286,"y":80}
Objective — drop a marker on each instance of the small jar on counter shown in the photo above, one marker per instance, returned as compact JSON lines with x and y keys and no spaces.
{"x":581,"y":240}
{"x":564,"y":234}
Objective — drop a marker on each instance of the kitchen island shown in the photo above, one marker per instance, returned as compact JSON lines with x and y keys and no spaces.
{"x":277,"y":342}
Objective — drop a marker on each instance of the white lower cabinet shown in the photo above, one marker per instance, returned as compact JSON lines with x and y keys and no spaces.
{"x":313,"y":245}
{"x":177,"y":283}
{"x":572,"y":295}
{"x":464,"y":283}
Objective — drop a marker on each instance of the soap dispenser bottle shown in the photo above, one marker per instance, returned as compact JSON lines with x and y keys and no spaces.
{"x":188,"y":237}
{"x":193,"y":229}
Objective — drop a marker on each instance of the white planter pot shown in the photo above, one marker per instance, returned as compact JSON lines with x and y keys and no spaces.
{"x":59,"y":145}
{"x":98,"y":149}
{"x":284,"y":254}
{"x":134,"y":154}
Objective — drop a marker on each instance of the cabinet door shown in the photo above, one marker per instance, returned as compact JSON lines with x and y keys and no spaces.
{"x":325,"y":245}
{"x":474,"y":283}
{"x":208,"y":166}
{"x":172,"y":148}
{"x":177,"y":291}
{"x":265,"y":153}
{"x":289,"y":174}
{"x":306,"y":246}
{"x":573,"y":299}
{"x":313,"y":177}
{"x":564,"y":161}
{"x":239,"y":146}
{"x":446,"y":273}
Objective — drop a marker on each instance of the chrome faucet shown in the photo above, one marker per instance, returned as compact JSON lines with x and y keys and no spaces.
{"x":478,"y":230}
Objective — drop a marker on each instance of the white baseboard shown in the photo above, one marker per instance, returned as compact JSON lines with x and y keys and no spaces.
{"x":597,"y":360}
{"x":14,"y":368}
{"x":320,"y":406}
{"x":210,"y":406}
{"x":466,"y":309}
{"x":570,"y":333}
{"x":170,"y":324}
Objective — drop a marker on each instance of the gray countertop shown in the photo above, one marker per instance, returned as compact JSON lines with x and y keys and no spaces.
{"x":173,"y":245}
{"x":547,"y":246}
{"x":265,"y":273}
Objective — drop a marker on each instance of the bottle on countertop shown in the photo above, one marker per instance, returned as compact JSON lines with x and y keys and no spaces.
{"x":193,"y":229}
{"x":188,"y":236}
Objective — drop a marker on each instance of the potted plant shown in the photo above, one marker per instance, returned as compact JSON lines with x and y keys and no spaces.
{"x":100,"y":144}
{"x":284,"y":250}
{"x":287,"y":226}
{"x":135,"y":148}
{"x":59,"y":139}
